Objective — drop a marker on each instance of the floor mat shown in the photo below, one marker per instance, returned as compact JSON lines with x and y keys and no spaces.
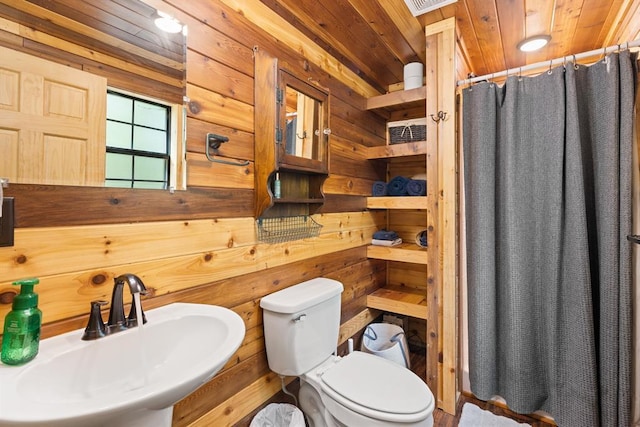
{"x":473,"y":416}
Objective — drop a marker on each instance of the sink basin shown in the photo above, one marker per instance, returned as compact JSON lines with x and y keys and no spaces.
{"x":129,"y":378}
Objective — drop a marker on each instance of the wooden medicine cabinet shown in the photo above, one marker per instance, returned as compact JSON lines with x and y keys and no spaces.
{"x":291,"y":141}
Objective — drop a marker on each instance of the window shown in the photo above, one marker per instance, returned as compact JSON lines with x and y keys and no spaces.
{"x":138,"y":142}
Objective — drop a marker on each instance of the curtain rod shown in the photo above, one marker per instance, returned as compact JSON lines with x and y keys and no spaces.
{"x":557,"y":61}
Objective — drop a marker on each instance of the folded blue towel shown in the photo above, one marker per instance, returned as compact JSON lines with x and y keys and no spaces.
{"x":397,"y":186}
{"x":385,"y":235}
{"x":379,"y":188}
{"x":417,"y":187}
{"x":423,"y":238}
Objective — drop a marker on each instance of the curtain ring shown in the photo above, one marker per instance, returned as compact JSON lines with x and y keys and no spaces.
{"x":604,"y":55}
{"x":550,"y":63}
{"x":575,"y":63}
{"x":520,"y":74}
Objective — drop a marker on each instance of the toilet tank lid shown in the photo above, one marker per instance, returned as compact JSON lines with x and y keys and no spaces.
{"x":301,"y":296}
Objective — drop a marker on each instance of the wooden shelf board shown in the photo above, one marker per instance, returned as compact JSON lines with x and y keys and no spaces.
{"x":293,"y":200}
{"x":397,"y":202}
{"x":396,"y":99}
{"x":400,"y":300}
{"x":417,"y":148}
{"x":406,"y":252}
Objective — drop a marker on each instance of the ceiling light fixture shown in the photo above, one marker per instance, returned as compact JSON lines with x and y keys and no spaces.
{"x":168,"y":23}
{"x":533,"y":43}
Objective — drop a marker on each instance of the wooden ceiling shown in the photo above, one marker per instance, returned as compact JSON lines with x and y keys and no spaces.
{"x":375,"y":38}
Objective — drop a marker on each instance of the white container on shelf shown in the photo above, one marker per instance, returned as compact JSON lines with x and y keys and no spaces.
{"x":413,"y":72}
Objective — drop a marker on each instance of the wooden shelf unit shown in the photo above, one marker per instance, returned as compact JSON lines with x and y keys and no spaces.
{"x":431,"y":286}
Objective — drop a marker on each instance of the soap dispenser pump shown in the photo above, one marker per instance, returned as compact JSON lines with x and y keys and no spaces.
{"x":21,"y":337}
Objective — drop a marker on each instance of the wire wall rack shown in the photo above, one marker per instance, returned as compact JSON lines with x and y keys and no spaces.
{"x":288,"y":228}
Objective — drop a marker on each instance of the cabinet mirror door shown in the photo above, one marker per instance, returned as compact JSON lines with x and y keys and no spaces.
{"x":304,"y":128}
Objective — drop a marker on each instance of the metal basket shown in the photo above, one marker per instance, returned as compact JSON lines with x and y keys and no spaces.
{"x":285,"y":229}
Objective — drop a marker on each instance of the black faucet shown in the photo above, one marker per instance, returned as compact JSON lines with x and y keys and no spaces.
{"x":117,"y":322}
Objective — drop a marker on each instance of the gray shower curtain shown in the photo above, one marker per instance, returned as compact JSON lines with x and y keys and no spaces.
{"x":548,"y":207}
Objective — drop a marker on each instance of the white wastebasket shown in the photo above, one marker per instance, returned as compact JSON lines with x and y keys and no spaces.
{"x":278,"y":415}
{"x":388,"y":341}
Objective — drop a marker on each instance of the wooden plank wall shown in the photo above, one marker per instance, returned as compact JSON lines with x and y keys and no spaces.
{"x":198,"y":245}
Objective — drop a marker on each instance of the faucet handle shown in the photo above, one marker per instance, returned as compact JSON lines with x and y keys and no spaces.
{"x":95,"y":327}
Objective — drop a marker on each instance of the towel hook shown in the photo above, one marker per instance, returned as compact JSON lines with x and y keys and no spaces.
{"x":441,"y":115}
{"x":212,"y":144}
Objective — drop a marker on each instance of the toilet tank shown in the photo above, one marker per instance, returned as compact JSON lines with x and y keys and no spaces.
{"x":301,"y":325}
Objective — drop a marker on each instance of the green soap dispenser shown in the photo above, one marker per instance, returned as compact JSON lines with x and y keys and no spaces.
{"x":21,"y":338}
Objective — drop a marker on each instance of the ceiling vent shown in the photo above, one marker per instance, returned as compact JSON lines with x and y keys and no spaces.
{"x":418,"y":7}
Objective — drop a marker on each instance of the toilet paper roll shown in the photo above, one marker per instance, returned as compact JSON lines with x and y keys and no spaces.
{"x":413,"y":75}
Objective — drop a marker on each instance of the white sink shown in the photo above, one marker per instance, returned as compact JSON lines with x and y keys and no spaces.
{"x":129,"y":378}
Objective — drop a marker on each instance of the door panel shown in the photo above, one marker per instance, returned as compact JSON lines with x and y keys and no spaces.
{"x":52,"y":123}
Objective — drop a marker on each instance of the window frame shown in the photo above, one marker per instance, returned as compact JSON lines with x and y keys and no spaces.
{"x":176,"y":136}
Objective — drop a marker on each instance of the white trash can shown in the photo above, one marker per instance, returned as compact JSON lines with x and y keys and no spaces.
{"x":388,"y":341}
{"x":278,"y":415}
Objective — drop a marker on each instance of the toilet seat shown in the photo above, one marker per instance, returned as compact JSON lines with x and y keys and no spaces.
{"x":377,"y":388}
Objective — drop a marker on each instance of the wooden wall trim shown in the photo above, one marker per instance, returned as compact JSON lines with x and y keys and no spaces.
{"x":52,"y":206}
{"x":61,"y":206}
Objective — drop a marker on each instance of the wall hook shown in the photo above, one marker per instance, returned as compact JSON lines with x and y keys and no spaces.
{"x":212,"y":144}
{"x":438,"y":117}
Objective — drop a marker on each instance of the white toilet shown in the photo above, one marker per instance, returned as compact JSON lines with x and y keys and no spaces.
{"x":301,"y":326}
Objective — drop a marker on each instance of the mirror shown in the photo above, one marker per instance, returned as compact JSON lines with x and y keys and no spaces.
{"x":303,"y":117}
{"x":127,"y":49}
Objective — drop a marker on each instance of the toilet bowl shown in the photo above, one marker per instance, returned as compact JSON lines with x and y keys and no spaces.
{"x":361,"y":389}
{"x":301,"y":328}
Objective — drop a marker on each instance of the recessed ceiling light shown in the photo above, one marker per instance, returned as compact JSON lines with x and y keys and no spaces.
{"x":533,"y":43}
{"x":168,"y":23}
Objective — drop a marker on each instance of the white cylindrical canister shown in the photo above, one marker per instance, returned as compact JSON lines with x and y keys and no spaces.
{"x":413,"y":75}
